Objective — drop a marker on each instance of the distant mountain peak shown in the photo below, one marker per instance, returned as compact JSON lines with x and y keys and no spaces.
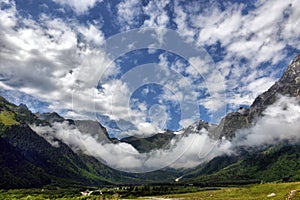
{"x":23,"y":106}
{"x":50,"y":117}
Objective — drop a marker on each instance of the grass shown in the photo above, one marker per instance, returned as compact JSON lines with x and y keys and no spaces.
{"x":8,"y":118}
{"x":40,"y":194}
{"x":259,"y":191}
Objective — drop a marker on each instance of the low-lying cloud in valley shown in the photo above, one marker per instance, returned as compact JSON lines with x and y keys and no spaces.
{"x":280,"y":122}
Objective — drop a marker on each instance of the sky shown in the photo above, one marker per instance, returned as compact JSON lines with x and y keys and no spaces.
{"x":140,"y":67}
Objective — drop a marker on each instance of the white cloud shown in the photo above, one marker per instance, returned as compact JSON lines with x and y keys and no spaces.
{"x":120,"y":156}
{"x":256,"y":36}
{"x":158,"y":17}
{"x":184,"y":152}
{"x":128,"y":13}
{"x":79,"y":6}
{"x":198,"y":66}
{"x":260,"y":85}
{"x":7,"y":17}
{"x":291,"y":28}
{"x":67,"y":70}
{"x":182,"y":20}
{"x":92,"y":34}
{"x":47,"y":61}
{"x":280,"y":122}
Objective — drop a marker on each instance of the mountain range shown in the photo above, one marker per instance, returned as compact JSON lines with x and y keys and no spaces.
{"x":30,"y":159}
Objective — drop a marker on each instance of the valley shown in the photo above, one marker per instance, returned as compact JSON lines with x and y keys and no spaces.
{"x":158,"y":100}
{"x":275,"y":191}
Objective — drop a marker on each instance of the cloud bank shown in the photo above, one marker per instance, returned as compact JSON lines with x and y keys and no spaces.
{"x":280,"y":123}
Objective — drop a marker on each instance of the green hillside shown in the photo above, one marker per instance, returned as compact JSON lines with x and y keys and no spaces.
{"x":277,"y":163}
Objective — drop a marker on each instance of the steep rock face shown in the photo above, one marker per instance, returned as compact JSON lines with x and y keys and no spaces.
{"x":90,"y":127}
{"x":198,"y":126}
{"x":288,"y":84}
{"x":94,"y":129}
{"x":232,"y":122}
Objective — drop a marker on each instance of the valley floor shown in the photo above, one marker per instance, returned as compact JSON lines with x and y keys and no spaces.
{"x":272,"y":191}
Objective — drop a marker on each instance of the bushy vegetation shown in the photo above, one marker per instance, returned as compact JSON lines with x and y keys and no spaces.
{"x":276,"y":163}
{"x":257,"y":191}
{"x":116,"y":192}
{"x":8,"y":118}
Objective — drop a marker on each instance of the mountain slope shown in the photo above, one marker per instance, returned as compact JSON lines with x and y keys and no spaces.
{"x":288,"y":84}
{"x":157,"y":141}
{"x":28,"y":160}
{"x":277,"y":162}
{"x":23,"y":149}
{"x":16,"y":171}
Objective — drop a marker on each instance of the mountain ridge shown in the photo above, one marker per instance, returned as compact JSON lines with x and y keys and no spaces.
{"x":64,"y":166}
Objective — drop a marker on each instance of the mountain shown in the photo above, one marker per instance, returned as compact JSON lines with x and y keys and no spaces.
{"x":88,"y":127}
{"x":279,"y":162}
{"x":288,"y":84}
{"x":162,"y":140}
{"x":28,"y":160}
{"x":276,"y":163}
{"x":94,"y":129}
{"x":50,"y":117}
{"x":157,"y":141}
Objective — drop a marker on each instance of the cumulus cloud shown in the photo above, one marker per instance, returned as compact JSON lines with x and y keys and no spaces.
{"x":49,"y":62}
{"x":66,"y":70}
{"x":69,"y":64}
{"x":158,"y":17}
{"x":59,"y":60}
{"x":247,"y":38}
{"x":128,"y":13}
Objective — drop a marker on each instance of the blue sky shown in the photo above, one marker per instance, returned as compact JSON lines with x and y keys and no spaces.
{"x":140,"y":67}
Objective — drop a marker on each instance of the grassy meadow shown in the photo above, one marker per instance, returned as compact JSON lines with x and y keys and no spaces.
{"x":282,"y":191}
{"x":258,"y":191}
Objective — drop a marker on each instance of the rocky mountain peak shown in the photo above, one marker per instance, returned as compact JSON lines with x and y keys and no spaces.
{"x":288,"y":84}
{"x":50,"y":117}
{"x":93,"y":128}
{"x":23,"y":106}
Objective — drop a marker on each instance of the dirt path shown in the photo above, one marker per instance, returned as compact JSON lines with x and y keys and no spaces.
{"x":291,"y":194}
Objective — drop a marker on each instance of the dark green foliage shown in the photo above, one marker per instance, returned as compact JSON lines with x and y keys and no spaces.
{"x":28,"y":160}
{"x":17,"y":172}
{"x":157,"y":141}
{"x":276,"y":163}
